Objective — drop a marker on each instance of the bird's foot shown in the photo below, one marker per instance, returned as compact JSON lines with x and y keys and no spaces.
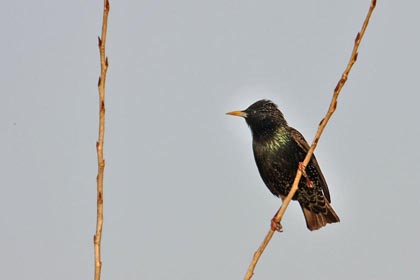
{"x":275,"y":225}
{"x":302,"y":167}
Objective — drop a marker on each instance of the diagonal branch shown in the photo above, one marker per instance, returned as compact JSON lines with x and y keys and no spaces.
{"x":331,"y":109}
{"x":99,"y":144}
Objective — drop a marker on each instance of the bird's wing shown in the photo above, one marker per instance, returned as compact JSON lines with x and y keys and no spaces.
{"x":300,"y":140}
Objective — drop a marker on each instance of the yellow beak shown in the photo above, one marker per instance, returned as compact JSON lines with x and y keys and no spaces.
{"x":237,"y":113}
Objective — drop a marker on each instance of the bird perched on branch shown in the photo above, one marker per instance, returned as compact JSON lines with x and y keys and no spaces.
{"x":279,"y":150}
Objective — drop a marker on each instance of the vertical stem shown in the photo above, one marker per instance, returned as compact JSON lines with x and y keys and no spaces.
{"x":99,"y":144}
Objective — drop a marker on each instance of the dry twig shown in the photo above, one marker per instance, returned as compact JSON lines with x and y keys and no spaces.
{"x":99,"y":144}
{"x":331,"y":109}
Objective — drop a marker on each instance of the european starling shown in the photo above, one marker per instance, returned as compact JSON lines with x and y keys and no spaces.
{"x":278,"y":150}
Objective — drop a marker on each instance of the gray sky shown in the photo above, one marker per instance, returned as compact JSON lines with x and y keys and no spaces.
{"x":183,"y":197}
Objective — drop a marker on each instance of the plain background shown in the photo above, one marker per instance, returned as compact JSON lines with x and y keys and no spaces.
{"x":183,"y":197}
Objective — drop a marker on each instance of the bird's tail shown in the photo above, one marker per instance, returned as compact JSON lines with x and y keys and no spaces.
{"x":316,"y":221}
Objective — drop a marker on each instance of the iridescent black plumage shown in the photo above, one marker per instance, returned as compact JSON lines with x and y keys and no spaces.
{"x":278,"y":150}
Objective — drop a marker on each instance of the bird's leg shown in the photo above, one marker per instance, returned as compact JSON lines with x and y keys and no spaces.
{"x":309,"y":183}
{"x":276,"y":225}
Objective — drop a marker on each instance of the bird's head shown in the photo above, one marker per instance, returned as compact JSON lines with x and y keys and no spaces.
{"x":263,"y":117}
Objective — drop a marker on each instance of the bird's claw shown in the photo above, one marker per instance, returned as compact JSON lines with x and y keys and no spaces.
{"x":302,"y":167}
{"x":276,"y":226}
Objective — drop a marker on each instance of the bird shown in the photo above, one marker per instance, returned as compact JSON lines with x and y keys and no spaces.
{"x":278,"y":151}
